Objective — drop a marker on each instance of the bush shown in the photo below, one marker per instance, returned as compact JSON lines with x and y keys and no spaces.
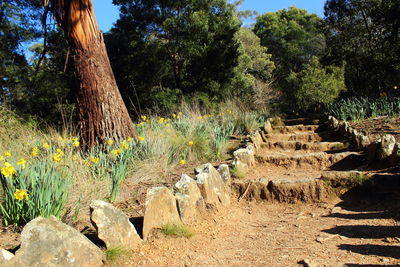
{"x":317,"y":84}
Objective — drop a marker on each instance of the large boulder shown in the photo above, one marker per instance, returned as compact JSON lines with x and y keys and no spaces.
{"x":212,"y":186}
{"x":189,"y":199}
{"x":159,"y":209}
{"x":49,"y":242}
{"x":386,"y":148}
{"x":113,"y":226}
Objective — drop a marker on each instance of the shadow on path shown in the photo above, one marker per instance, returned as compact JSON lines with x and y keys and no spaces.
{"x":377,"y":250}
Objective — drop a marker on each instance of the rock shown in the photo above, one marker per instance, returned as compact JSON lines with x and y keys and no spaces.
{"x":372,"y":150}
{"x":225,"y":173}
{"x":5,"y":256}
{"x":344,"y":128}
{"x":159,"y":209}
{"x":189,"y":199}
{"x":333,"y":122}
{"x":244,"y":158}
{"x":49,"y":242}
{"x":256,"y":139}
{"x":362,"y":141}
{"x":395,"y":158}
{"x":386,"y":148}
{"x":113,"y":226}
{"x":212,"y":186}
{"x":268,"y":127}
{"x":307,"y":263}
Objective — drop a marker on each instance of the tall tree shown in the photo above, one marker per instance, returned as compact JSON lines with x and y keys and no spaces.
{"x":293,"y":36}
{"x":183,"y":48}
{"x":101,"y":110}
{"x":365,"y":34}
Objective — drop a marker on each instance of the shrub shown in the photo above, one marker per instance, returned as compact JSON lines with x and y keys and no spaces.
{"x":317,"y":84}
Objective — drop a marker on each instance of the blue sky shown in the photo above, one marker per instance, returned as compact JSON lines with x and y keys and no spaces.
{"x":107,"y":13}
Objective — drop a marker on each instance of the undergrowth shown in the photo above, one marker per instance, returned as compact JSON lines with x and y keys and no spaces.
{"x":187,"y":137}
{"x":178,"y":230}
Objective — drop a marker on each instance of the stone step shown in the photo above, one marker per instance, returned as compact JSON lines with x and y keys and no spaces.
{"x":295,"y":129}
{"x":282,"y":190}
{"x":298,"y":145}
{"x":309,"y":121}
{"x":303,"y":137}
{"x":316,"y":160}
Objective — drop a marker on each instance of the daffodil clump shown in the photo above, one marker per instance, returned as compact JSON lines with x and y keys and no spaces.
{"x":31,"y":189}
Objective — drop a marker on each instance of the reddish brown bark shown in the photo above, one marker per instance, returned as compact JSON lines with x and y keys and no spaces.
{"x":101,"y":110}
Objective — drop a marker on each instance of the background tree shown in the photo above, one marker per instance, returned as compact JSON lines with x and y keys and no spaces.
{"x":365,"y":34}
{"x":174,"y":48}
{"x":293,"y":37}
{"x":253,"y":75}
{"x":317,"y":84}
{"x":101,"y":110}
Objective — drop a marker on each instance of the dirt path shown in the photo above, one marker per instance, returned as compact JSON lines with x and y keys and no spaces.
{"x":261,"y":233}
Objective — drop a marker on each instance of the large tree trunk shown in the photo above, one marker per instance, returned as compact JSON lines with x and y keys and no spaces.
{"x":101,"y":110}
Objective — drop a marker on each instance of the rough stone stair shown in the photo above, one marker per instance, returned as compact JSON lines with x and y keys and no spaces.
{"x":299,"y":145}
{"x":297,"y":162}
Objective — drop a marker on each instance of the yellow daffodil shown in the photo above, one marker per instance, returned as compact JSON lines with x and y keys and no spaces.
{"x":124,"y":145}
{"x":115,"y":152}
{"x":57,"y":157}
{"x":141,"y":138}
{"x":74,"y":158}
{"x":110,"y":142}
{"x":161,"y":120}
{"x":1,"y":158}
{"x":200,"y":117}
{"x":76,"y":143}
{"x":87,"y":163}
{"x":46,"y":146}
{"x":395,"y":87}
{"x":182,"y":162}
{"x":174,"y":115}
{"x":34,"y":151}
{"x":143,"y":117}
{"x":7,"y":154}
{"x":129,"y":139}
{"x":190,"y":143}
{"x":59,"y":151}
{"x":94,"y":160}
{"x":60,"y":139}
{"x":21,"y":194}
{"x":22,"y":162}
{"x":8,"y":170}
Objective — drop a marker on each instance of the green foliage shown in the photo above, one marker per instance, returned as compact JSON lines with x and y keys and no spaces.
{"x":364,"y":107}
{"x":293,"y":37}
{"x":364,"y":34}
{"x":163,"y":48}
{"x":179,"y":230}
{"x":317,"y":84}
{"x":114,"y":255}
{"x":46,"y":192}
{"x":238,"y":172}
